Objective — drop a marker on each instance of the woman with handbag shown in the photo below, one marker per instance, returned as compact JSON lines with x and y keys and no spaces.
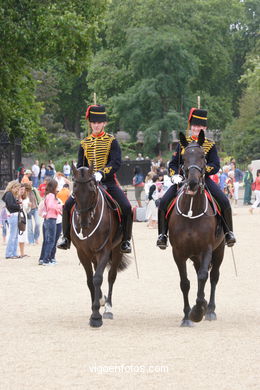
{"x":13,"y":205}
{"x":256,"y":188}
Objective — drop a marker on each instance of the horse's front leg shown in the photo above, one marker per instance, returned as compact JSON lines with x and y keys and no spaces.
{"x":96,"y":318}
{"x":198,"y":311}
{"x":217,"y":258}
{"x":89,"y":272}
{"x":185,"y":288}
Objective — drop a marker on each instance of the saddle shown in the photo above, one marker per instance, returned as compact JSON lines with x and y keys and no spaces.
{"x":112,"y":203}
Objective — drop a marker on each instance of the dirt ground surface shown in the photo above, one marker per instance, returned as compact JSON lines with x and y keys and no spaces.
{"x":46,"y":342}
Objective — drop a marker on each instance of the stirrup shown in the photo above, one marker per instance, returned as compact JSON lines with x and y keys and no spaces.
{"x":126,"y":247}
{"x":230,"y":239}
{"x":64,"y":243}
{"x":162,"y":241}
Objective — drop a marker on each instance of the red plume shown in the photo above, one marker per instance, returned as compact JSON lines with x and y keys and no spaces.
{"x":191,"y":112}
{"x":88,"y":109}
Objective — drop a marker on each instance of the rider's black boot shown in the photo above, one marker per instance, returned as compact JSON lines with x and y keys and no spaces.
{"x":228,"y":227}
{"x":65,"y":241}
{"x":127,"y":224}
{"x":162,"y":230}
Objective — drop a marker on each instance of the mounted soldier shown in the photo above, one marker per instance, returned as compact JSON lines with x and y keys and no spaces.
{"x":102,"y":151}
{"x":197,"y":121}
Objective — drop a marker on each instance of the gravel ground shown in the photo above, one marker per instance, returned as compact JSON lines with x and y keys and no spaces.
{"x":46,"y":342}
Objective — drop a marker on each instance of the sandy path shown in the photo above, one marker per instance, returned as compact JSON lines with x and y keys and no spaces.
{"x":46,"y":342}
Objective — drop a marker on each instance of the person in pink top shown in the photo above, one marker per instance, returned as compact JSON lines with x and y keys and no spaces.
{"x":52,"y":208}
{"x":257,"y":192}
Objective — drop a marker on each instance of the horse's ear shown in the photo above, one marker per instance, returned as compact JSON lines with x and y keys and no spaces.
{"x":201,"y":138}
{"x":74,"y":169}
{"x":91,"y":168}
{"x":183,"y":140}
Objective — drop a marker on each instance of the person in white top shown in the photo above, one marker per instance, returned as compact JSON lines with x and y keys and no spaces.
{"x":35,"y":173}
{"x":66,"y":169}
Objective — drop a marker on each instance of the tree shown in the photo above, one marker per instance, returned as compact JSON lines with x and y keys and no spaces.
{"x":33,"y":34}
{"x":242,"y":138}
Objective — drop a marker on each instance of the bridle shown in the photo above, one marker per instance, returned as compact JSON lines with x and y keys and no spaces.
{"x":201,"y":170}
{"x":91,"y":207}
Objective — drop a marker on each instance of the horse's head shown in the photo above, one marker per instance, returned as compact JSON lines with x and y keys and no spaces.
{"x":85,"y":192}
{"x":194,"y":163}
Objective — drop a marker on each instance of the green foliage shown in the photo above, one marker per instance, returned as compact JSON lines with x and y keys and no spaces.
{"x":242,"y":138}
{"x":33,"y":35}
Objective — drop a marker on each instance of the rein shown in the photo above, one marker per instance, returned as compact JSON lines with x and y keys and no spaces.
{"x":80,"y":234}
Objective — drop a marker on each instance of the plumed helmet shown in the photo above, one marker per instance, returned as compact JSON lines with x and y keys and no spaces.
{"x":198,"y":116}
{"x":96,"y":113}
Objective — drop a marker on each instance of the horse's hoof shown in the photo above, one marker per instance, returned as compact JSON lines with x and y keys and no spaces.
{"x":95,"y":322}
{"x":187,"y":324}
{"x":108,"y":315}
{"x":210,"y":316}
{"x":196,"y":314}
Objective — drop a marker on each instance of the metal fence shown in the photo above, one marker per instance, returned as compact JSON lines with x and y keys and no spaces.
{"x":10,"y":158}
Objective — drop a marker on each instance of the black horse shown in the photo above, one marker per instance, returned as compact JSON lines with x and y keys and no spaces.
{"x":97,"y":235}
{"x":195,"y":233}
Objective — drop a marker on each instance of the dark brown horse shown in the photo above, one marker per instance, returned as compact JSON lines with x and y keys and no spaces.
{"x":195,"y":233}
{"x":96,"y":234}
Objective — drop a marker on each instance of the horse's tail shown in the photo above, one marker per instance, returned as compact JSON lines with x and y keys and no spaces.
{"x":122,"y":261}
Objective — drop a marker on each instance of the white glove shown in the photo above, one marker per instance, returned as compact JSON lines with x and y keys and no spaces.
{"x":176,"y":179}
{"x":98,"y":176}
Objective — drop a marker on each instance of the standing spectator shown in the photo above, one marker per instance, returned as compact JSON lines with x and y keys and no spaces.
{"x":238,"y":178}
{"x":61,"y":180}
{"x":52,"y":209}
{"x":257,"y":192}
{"x":35,"y":173}
{"x":230,"y":185}
{"x":138,"y":182}
{"x":11,"y":199}
{"x":23,"y":236}
{"x":52,"y":165}
{"x":20,"y":172}
{"x":4,"y":222}
{"x":34,"y":199}
{"x":64,"y":193}
{"x":49,"y":171}
{"x":42,"y":186}
{"x":139,"y":157}
{"x":148,"y":182}
{"x":57,"y":236}
{"x":248,"y":180}
{"x":223,"y":179}
{"x":27,"y":177}
{"x":66,"y":169}
{"x":42,"y":172}
{"x":151,"y":210}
